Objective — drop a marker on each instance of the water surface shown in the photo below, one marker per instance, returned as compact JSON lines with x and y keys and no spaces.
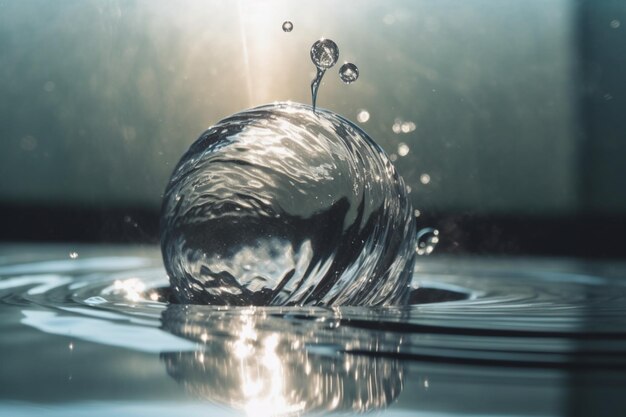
{"x":96,"y":334}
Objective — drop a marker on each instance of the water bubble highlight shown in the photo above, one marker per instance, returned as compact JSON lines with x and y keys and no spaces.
{"x":287,"y":26}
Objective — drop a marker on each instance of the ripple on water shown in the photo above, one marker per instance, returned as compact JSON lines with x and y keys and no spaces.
{"x":472,"y":313}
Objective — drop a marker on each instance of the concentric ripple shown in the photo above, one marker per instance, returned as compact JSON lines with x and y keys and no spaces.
{"x":279,"y":205}
{"x":513,"y":313}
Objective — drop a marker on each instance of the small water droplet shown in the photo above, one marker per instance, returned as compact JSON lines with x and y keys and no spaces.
{"x":287,"y":26}
{"x":363,"y":116}
{"x":324,"y":53}
{"x":417,"y":213}
{"x":424,"y":179}
{"x":348,"y":73}
{"x":615,"y":24}
{"x":403,"y":149}
{"x":427,"y":239}
{"x":73,"y":255}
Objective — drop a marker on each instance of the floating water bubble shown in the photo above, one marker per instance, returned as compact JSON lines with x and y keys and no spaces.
{"x":363,"y":116}
{"x":427,"y":239}
{"x":278,"y":205}
{"x":287,"y":26}
{"x":73,"y":255}
{"x":348,"y":73}
{"x":425,"y":179}
{"x":324,"y":54}
{"x":403,"y":149}
{"x":615,"y":24}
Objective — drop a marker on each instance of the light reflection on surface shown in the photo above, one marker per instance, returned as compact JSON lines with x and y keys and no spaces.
{"x":244,"y":362}
{"x":131,"y":288}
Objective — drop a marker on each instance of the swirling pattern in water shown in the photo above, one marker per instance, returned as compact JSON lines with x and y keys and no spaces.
{"x":278,"y":205}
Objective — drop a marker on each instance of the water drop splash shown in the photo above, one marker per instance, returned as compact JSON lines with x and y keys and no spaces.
{"x":278,"y":205}
{"x":348,"y":73}
{"x":427,"y":240}
{"x":287,"y":26}
{"x":324,"y":54}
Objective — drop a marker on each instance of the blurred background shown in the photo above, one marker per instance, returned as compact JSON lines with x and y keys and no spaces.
{"x":506,"y":119}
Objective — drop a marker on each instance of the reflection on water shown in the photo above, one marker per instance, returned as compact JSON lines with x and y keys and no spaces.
{"x":481,"y":338}
{"x":242,"y":363}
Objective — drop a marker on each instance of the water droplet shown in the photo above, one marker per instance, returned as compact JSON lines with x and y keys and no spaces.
{"x":73,"y":255}
{"x":417,"y":213}
{"x":363,"y":116}
{"x":324,"y":53}
{"x":427,"y":239}
{"x":301,"y":213}
{"x":287,"y":26}
{"x":403,"y":149}
{"x":348,"y":73}
{"x":615,"y":24}
{"x":424,"y":179}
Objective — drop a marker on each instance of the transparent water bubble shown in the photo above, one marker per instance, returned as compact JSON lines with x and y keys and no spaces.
{"x":324,"y":53}
{"x":278,"y":205}
{"x":427,"y":240}
{"x":348,"y":73}
{"x":287,"y":26}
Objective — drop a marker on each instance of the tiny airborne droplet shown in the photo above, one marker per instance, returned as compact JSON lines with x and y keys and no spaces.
{"x":348,"y":73}
{"x":73,"y":255}
{"x":287,"y":26}
{"x":324,"y":54}
{"x":363,"y":116}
